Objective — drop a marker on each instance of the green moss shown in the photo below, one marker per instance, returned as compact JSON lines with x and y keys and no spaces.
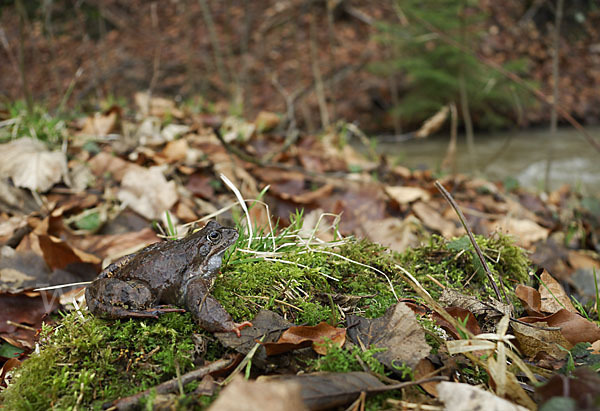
{"x":89,"y":361}
{"x":455,"y":264}
{"x":339,"y":359}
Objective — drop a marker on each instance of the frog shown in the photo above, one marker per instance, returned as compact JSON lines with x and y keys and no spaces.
{"x":168,"y":276}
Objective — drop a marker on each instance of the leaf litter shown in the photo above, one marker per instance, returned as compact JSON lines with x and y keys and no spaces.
{"x":155,"y":168}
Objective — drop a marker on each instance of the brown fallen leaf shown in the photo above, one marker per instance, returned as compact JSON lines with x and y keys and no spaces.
{"x":148,"y":192}
{"x":31,"y":165}
{"x":530,"y":298}
{"x":305,"y":336}
{"x":175,"y":150}
{"x":434,"y":220}
{"x":551,"y":291}
{"x":425,"y":369}
{"x":324,"y":390}
{"x":59,"y":254}
{"x":573,"y":326}
{"x":266,"y":121}
{"x":460,"y":314}
{"x":397,"y":330}
{"x":398,"y":235}
{"x":533,"y":341}
{"x":105,"y":163}
{"x":258,"y":396}
{"x":406,"y":195}
{"x":525,"y":232}
{"x":581,"y":259}
{"x":100,"y":124}
{"x":10,"y":364}
{"x":24,"y":308}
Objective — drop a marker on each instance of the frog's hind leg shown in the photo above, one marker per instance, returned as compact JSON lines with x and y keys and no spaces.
{"x":115,"y":298}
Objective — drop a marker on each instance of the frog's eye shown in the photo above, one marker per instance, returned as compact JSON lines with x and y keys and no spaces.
{"x":214,"y":236}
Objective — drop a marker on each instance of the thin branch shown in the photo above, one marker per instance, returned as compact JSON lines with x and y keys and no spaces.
{"x":463,"y":221}
{"x":171,"y":385}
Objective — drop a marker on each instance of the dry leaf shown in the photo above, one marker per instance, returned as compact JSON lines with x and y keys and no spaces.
{"x":405,"y":195}
{"x":532,"y":340}
{"x":175,"y":150}
{"x":425,"y":369}
{"x":99,"y":124}
{"x":573,"y":326}
{"x":329,"y":390}
{"x":31,"y":165}
{"x":459,"y":397}
{"x":147,"y":192}
{"x":460,"y":314}
{"x":398,"y":235}
{"x":434,"y":220}
{"x":58,"y":254}
{"x":525,"y":232}
{"x":530,"y":298}
{"x":245,"y":395}
{"x":434,"y":123}
{"x":398,"y":331}
{"x":103,"y":163}
{"x":551,"y":291}
{"x":266,"y":121}
{"x":305,"y":336}
{"x":582,"y":259}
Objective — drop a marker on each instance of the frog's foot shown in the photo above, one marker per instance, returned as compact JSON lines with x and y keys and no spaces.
{"x":163,"y":309}
{"x":239,"y":326}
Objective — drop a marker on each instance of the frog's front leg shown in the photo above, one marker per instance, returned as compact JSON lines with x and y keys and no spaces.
{"x":115,"y":298}
{"x":207,"y":311}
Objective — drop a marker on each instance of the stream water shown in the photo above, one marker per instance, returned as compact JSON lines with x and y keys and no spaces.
{"x":519,"y":154}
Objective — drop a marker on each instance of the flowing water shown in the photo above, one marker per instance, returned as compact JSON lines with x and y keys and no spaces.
{"x":518,"y":154}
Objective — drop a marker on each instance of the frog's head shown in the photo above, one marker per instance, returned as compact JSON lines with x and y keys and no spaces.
{"x":215,"y":240}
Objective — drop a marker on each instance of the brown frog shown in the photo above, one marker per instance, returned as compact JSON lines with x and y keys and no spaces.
{"x":146,"y":283}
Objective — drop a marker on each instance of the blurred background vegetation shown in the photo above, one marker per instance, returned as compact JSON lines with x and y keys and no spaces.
{"x":384,"y":66}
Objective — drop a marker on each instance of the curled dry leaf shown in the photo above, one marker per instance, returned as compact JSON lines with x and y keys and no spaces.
{"x":533,"y":341}
{"x":305,"y":336}
{"x":531,"y":300}
{"x":31,"y":165}
{"x":148,"y":192}
{"x":573,"y":326}
{"x":460,"y":314}
{"x":553,"y":296}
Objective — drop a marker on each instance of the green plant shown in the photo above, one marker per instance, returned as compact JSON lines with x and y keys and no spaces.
{"x":434,"y":70}
{"x":38,"y":124}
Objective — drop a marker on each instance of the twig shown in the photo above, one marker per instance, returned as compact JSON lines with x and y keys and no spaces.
{"x":463,"y":221}
{"x":171,"y":385}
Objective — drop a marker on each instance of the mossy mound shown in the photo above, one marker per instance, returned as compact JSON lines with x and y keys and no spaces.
{"x":85,"y":361}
